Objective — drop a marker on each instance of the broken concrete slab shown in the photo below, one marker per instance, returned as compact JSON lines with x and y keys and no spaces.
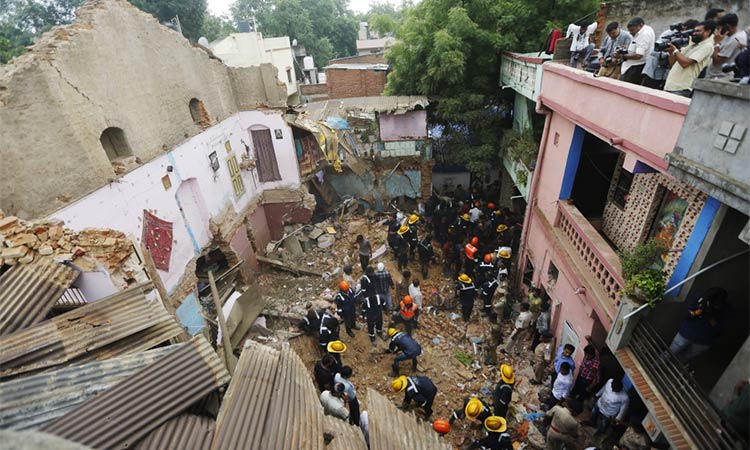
{"x":293,"y":246}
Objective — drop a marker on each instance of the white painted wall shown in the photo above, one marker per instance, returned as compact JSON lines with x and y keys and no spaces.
{"x":119,"y":205}
{"x":252,"y":49}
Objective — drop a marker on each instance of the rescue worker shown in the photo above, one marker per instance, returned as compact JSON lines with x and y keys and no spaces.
{"x":328,"y":330}
{"x":311,"y":322}
{"x":471,"y":251}
{"x":366,"y":285}
{"x":463,"y":226}
{"x":393,"y":226}
{"x":497,"y":218}
{"x":408,"y":314}
{"x":426,"y":254}
{"x":324,"y":372}
{"x":412,"y":237}
{"x":372,"y":307}
{"x":402,"y":247}
{"x":473,"y":408}
{"x":335,"y":349}
{"x":494,"y":341}
{"x":466,"y":293}
{"x":346,"y":307}
{"x":409,"y":348}
{"x":486,"y":269}
{"x":497,"y":436}
{"x":502,"y":236}
{"x":420,"y":389}
{"x":504,"y":390}
{"x":488,"y":291}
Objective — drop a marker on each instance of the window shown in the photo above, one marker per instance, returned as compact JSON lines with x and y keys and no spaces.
{"x":621,"y":190}
{"x":528,"y":273}
{"x":199,"y":114}
{"x":234,"y":172}
{"x":115,"y":143}
{"x":289,"y":75}
{"x":552,"y":273}
{"x":268,"y":168}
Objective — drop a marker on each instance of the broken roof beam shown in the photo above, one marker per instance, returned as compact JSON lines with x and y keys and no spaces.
{"x":122,"y":416}
{"x":289,"y":268}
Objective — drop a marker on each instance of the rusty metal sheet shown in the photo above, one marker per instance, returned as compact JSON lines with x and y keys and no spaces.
{"x":83,"y":332}
{"x":31,"y":402}
{"x":345,"y":435}
{"x":128,"y":412}
{"x":184,"y":432}
{"x":29,"y":291}
{"x":387,"y":421}
{"x":295,"y":414}
{"x":243,"y":412}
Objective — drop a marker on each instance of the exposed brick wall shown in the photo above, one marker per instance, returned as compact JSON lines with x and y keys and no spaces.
{"x":376,"y":58}
{"x":344,"y":83}
{"x":313,"y":89}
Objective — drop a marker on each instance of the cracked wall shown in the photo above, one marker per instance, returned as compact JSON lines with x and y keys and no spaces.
{"x":116,"y":66}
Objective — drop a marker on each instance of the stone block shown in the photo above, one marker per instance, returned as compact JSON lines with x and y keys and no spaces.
{"x":46,"y":250}
{"x":55,"y":233}
{"x":8,"y":222}
{"x":27,"y":259}
{"x":14,"y":253}
{"x":22,"y":239}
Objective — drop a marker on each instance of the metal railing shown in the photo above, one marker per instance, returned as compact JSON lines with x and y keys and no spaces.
{"x":676,"y":385}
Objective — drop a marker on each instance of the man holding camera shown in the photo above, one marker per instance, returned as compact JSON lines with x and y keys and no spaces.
{"x":728,"y":43}
{"x":657,"y":65}
{"x":640,"y":46}
{"x":616,"y":41}
{"x":686,"y":64}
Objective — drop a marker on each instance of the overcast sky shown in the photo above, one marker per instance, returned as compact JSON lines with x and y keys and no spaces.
{"x":219,"y":7}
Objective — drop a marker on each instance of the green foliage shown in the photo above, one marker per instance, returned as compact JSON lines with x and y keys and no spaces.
{"x":383,"y":24}
{"x":216,"y":27}
{"x":190,"y":12}
{"x":521,"y":177}
{"x":464,"y":358}
{"x":450,"y":50}
{"x":642,"y":258}
{"x":326,"y":28}
{"x":648,"y":285}
{"x":520,"y":146}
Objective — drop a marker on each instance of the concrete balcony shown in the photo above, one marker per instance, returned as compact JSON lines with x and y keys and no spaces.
{"x":592,"y":255}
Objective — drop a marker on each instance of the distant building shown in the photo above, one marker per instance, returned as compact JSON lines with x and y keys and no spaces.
{"x":355,"y":80}
{"x":252,"y":49}
{"x":370,"y":46}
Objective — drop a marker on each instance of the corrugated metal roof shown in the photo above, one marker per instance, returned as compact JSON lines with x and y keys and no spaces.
{"x":296,"y":417}
{"x":388,"y":425}
{"x":184,"y":432}
{"x":31,"y":402}
{"x":343,"y":107}
{"x":126,"y":413}
{"x":70,"y":299}
{"x":90,"y":332}
{"x":29,"y":291}
{"x":345,"y":436}
{"x":243,"y":412}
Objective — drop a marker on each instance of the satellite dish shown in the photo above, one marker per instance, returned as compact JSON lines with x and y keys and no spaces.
{"x":203,"y":41}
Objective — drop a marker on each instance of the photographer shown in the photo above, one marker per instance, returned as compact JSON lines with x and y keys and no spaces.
{"x":728,"y":43}
{"x":579,"y":46}
{"x":657,"y":65}
{"x":615,"y":41}
{"x":640,"y":46}
{"x":702,"y":326}
{"x":687,"y":64}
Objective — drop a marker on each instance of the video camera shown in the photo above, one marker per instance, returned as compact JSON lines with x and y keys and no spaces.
{"x":676,"y":38}
{"x":618,"y":50}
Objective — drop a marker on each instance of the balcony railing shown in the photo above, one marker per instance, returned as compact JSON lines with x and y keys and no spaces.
{"x":672,"y":380}
{"x":591,"y":248}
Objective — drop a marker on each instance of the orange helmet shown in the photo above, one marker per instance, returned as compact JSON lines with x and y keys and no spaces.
{"x":407,"y":300}
{"x":488,"y":258}
{"x":491,"y":205}
{"x":344,"y":286}
{"x":474,"y":240}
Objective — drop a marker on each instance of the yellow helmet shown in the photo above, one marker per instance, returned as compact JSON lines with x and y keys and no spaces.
{"x":399,"y":384}
{"x":465,"y":216}
{"x":392,"y":331}
{"x":473,"y":408}
{"x":495,"y":424}
{"x":506,"y":373}
{"x":502,"y":227}
{"x":463,"y":278}
{"x":498,"y":212}
{"x":336,"y":347}
{"x":413,"y":219}
{"x":504,"y":252}
{"x":403,"y":229}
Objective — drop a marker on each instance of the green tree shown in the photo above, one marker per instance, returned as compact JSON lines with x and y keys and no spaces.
{"x":384,"y":18}
{"x":190,"y":12}
{"x":450,"y":50}
{"x":216,"y":27}
{"x":326,"y":28}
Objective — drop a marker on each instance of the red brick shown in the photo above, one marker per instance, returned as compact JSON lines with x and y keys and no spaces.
{"x":344,"y":83}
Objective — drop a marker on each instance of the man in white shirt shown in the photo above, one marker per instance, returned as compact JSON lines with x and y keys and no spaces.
{"x":562,"y":386}
{"x":521,"y":331}
{"x":580,"y":47}
{"x":611,"y":407}
{"x":638,"y":50}
{"x":351,"y":394}
{"x":415,"y":292}
{"x":728,"y":43}
{"x":334,"y":402}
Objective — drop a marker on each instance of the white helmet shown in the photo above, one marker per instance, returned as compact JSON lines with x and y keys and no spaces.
{"x":381,"y":266}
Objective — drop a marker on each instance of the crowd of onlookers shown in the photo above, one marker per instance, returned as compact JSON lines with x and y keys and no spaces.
{"x":715,"y":48}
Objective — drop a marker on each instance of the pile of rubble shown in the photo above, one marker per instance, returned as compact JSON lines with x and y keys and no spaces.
{"x":23,"y":242}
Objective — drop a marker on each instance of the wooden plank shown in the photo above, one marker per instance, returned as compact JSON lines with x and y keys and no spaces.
{"x":229,"y":358}
{"x":153,"y":273}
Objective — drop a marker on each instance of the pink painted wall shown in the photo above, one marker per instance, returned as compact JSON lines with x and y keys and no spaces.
{"x":553,"y":165}
{"x":241,"y":244}
{"x":403,"y":127}
{"x":646,"y":119}
{"x":259,"y":228}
